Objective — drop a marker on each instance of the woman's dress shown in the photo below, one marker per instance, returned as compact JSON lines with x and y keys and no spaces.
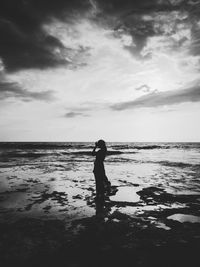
{"x":99,"y":171}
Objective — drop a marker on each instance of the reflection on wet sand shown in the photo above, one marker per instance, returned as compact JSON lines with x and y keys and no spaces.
{"x":184,"y":218}
{"x":100,"y":206}
{"x":48,"y":208}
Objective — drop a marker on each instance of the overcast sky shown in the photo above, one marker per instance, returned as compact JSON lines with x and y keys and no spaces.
{"x":81,"y":70}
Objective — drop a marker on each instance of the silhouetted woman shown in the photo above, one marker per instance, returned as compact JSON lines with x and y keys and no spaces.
{"x":102,"y":183}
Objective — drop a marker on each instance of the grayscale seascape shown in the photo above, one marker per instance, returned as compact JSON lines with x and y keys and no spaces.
{"x":155,"y":196}
{"x":99,"y":133}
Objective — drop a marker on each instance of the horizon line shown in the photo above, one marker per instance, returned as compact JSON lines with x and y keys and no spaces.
{"x":94,"y":141}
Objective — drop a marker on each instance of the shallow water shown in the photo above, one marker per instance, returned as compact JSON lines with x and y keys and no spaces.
{"x":184,"y":218}
{"x":48,"y":203}
{"x":56,"y":179}
{"x":126,"y":194}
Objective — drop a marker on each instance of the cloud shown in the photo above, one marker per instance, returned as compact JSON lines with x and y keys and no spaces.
{"x":13,"y":90}
{"x":161,"y":99}
{"x":176,"y":21}
{"x":144,"y":88}
{"x":73,"y":114}
{"x":85,"y":109}
{"x":82,"y":109}
{"x":24,"y":43}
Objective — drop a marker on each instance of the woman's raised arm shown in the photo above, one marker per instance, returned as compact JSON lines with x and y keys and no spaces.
{"x":93,"y":151}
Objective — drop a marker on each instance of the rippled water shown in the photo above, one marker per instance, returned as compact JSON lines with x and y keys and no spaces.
{"x":31,"y":173}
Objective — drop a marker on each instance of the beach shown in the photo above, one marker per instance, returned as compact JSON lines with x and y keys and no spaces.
{"x":49,"y":215}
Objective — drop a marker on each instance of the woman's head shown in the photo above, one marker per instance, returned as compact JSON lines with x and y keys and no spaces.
{"x":101,"y":143}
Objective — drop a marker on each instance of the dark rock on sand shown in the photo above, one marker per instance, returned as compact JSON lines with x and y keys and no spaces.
{"x":160,"y":195}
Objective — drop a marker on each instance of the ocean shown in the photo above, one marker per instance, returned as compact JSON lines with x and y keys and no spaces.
{"x":49,"y":214}
{"x":56,"y":179}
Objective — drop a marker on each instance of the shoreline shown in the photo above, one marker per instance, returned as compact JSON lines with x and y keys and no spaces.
{"x":49,"y":215}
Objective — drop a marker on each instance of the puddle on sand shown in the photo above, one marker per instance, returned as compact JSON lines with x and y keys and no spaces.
{"x":162,"y":226}
{"x":126,"y":194}
{"x":184,"y":218}
{"x":131,"y":211}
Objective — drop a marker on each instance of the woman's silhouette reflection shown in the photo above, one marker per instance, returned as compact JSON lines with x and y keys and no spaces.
{"x":103,"y":207}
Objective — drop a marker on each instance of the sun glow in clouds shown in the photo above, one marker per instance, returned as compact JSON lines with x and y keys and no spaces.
{"x":107,"y":61}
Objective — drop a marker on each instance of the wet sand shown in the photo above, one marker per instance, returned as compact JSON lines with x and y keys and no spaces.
{"x":49,"y":220}
{"x":49,"y":215}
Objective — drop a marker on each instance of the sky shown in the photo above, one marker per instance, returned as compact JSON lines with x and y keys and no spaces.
{"x":84,"y":70}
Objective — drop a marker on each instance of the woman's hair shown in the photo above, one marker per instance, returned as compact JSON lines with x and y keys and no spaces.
{"x":101,"y":143}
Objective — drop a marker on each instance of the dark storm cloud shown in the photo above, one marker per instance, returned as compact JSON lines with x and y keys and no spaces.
{"x":142,"y":7}
{"x":145,"y":19}
{"x":12,"y":90}
{"x":130,"y":20}
{"x":23,"y":42}
{"x":161,"y":99}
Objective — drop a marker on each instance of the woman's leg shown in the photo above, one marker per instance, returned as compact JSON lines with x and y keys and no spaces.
{"x":107,"y":184}
{"x":99,"y":184}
